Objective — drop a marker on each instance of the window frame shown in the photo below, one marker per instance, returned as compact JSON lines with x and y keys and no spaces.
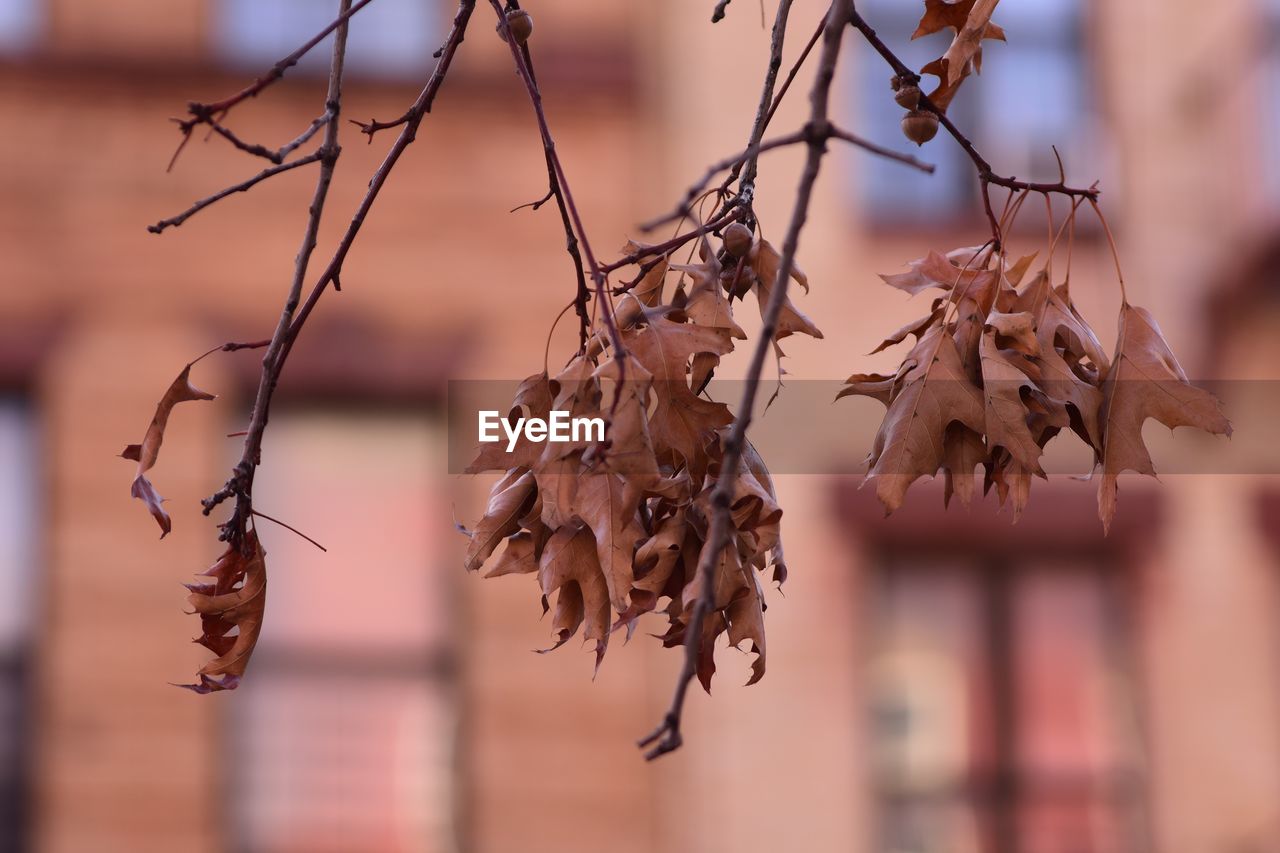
{"x":1060,"y":524}
{"x":437,"y":666}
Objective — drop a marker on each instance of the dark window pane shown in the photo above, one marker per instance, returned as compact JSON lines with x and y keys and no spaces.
{"x":19,"y":24}
{"x":1032,"y":95}
{"x":18,"y":522}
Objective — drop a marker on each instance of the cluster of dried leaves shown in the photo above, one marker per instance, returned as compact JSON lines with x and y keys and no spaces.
{"x":1002,"y":364}
{"x":614,"y":529}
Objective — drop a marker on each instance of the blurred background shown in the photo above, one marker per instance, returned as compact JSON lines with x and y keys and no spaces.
{"x":939,"y":682}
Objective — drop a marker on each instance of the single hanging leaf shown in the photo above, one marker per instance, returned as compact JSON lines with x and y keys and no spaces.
{"x":967,"y":45}
{"x":1003,"y":381}
{"x":607,"y":504}
{"x":746,"y":622}
{"x":1145,"y":381}
{"x":519,"y":557}
{"x":941,"y":14}
{"x":569,"y":565}
{"x":935,"y":393}
{"x":180,"y":391}
{"x":915,"y":327}
{"x":508,"y":501}
{"x":682,"y":421}
{"x":962,"y":451}
{"x":236,"y":600}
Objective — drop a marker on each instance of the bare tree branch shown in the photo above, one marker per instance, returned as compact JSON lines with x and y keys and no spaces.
{"x":243,"y":186}
{"x":242,"y":481}
{"x":667,"y":738}
{"x":560,"y":188}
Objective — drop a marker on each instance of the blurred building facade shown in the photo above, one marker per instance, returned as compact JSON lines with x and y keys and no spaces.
{"x":937,"y":681}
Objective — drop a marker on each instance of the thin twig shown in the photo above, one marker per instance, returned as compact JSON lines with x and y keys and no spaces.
{"x":561,"y":188}
{"x":747,"y":186}
{"x":408,"y":134}
{"x":202,"y":113}
{"x":750,"y":155}
{"x":674,"y":243}
{"x":557,"y":192}
{"x":232,"y":346}
{"x":247,"y":147}
{"x":175,"y":221}
{"x":290,"y":528}
{"x":666,"y":737}
{"x":301,"y":139}
{"x":241,"y":483}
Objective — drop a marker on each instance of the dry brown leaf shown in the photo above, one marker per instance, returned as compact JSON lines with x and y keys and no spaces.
{"x":941,"y":14}
{"x":681,"y":422}
{"x":1003,"y":381}
{"x":935,"y":392}
{"x":519,"y":557}
{"x":746,"y":622}
{"x":236,"y":600}
{"x":967,"y":45}
{"x":508,"y":501}
{"x":569,"y":565}
{"x":962,"y":451}
{"x":1145,"y":381}
{"x":607,"y":504}
{"x":180,"y":391}
{"x":915,"y":327}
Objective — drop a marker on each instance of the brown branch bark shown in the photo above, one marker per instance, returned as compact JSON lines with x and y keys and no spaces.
{"x":243,"y":186}
{"x":666,"y":738}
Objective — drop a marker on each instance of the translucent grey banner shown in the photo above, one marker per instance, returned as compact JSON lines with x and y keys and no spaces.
{"x":806,"y":430}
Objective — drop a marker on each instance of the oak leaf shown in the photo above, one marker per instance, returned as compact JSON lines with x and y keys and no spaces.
{"x":570,"y":568}
{"x":935,"y":392}
{"x":1145,"y":381}
{"x":145,"y":454}
{"x":236,"y":600}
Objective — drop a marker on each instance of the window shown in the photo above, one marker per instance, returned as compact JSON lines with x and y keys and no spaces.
{"x":342,"y":736}
{"x":389,"y":38}
{"x":1001,"y":714}
{"x":19,"y":23}
{"x":1271,"y":69}
{"x":1041,"y":70}
{"x":18,"y":499}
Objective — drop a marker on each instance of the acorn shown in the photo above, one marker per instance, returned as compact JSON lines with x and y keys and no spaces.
{"x":520,"y":23}
{"x":908,"y":97}
{"x":920,"y":126}
{"x":738,"y":240}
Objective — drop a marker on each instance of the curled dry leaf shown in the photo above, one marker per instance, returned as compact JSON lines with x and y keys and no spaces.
{"x":971,"y":20}
{"x":180,"y":391}
{"x":234,"y":601}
